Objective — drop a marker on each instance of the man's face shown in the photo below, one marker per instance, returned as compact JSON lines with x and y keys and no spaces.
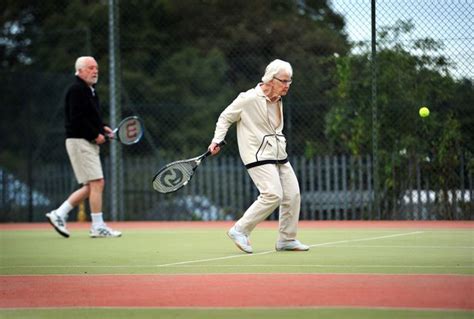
{"x":89,"y":72}
{"x":281,"y":83}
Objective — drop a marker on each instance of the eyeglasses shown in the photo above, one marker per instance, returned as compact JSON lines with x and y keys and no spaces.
{"x":284,"y":81}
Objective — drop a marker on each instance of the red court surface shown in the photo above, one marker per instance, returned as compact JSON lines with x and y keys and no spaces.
{"x":239,"y":290}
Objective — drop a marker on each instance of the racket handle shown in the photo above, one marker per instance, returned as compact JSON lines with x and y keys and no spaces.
{"x":108,"y":138}
{"x":220,"y":144}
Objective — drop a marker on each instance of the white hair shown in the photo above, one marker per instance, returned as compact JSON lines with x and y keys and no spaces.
{"x":274,"y":68}
{"x":81,"y":63}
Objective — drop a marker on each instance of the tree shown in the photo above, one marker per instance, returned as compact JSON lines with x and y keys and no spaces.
{"x":405,"y":82}
{"x":185,"y":56}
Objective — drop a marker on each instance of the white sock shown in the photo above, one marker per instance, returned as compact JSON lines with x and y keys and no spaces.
{"x":97,"y":219}
{"x":64,"y":209}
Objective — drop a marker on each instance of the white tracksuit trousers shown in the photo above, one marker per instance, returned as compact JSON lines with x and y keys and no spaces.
{"x":278,"y":187}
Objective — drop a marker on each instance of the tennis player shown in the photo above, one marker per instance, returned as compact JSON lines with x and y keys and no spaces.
{"x":85,"y":131}
{"x":258,"y":114}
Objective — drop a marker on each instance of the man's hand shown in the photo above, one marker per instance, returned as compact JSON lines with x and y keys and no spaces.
{"x":100,"y":139}
{"x":109,"y":132}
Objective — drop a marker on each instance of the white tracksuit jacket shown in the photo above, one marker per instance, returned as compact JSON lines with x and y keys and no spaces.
{"x":259,"y":142}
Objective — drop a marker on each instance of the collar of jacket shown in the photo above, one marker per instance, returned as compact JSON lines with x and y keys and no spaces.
{"x":84,"y":82}
{"x":259,"y":92}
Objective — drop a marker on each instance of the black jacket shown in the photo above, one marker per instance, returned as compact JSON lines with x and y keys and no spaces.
{"x":83,"y":116}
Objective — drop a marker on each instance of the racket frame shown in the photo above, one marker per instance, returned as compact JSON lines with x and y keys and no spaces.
{"x":197,"y":160}
{"x":123,"y":123}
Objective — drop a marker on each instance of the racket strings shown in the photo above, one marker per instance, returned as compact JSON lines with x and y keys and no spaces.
{"x":130,"y":131}
{"x":174,"y":176}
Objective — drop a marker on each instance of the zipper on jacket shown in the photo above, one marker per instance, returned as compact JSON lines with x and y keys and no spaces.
{"x":275,"y":133}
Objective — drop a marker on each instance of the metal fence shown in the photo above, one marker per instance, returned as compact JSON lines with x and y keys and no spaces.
{"x":332,"y":188}
{"x":362,"y":69}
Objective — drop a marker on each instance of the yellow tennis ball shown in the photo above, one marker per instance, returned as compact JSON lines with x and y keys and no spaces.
{"x":424,"y":111}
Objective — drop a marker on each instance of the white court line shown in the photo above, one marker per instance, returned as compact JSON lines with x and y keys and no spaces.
{"x":211,"y":259}
{"x":404,"y":247}
{"x":333,"y":266}
{"x":273,"y":251}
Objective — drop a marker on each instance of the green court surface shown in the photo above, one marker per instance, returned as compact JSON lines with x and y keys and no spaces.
{"x":148,"y":251}
{"x":208,"y":251}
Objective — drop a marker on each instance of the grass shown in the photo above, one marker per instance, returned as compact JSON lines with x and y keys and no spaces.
{"x":194,"y":251}
{"x":232,"y":314}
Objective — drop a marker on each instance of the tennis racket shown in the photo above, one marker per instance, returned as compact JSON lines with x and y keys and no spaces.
{"x":177,"y":174}
{"x":129,"y":131}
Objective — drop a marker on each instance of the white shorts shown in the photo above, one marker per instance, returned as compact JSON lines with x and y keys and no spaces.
{"x":85,"y":160}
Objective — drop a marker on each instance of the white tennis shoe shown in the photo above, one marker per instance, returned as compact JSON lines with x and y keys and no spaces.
{"x":58,"y":222}
{"x":291,"y":245}
{"x":240,"y":240}
{"x":103,"y":231}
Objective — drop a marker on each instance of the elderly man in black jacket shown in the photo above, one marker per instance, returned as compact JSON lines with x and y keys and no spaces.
{"x":85,"y":131}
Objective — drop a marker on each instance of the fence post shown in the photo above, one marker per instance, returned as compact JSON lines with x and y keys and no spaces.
{"x":374,"y":112}
{"x":81,"y":212}
{"x":116,"y":177}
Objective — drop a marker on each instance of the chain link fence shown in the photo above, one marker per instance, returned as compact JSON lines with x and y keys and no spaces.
{"x":355,"y":138}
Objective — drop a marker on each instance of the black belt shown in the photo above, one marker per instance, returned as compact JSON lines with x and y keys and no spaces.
{"x":283,"y":161}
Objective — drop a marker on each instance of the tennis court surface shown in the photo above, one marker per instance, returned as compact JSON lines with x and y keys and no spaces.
{"x":354,"y":269}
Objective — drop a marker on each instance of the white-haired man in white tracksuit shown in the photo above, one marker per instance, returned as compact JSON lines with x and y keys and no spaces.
{"x":258,"y":114}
